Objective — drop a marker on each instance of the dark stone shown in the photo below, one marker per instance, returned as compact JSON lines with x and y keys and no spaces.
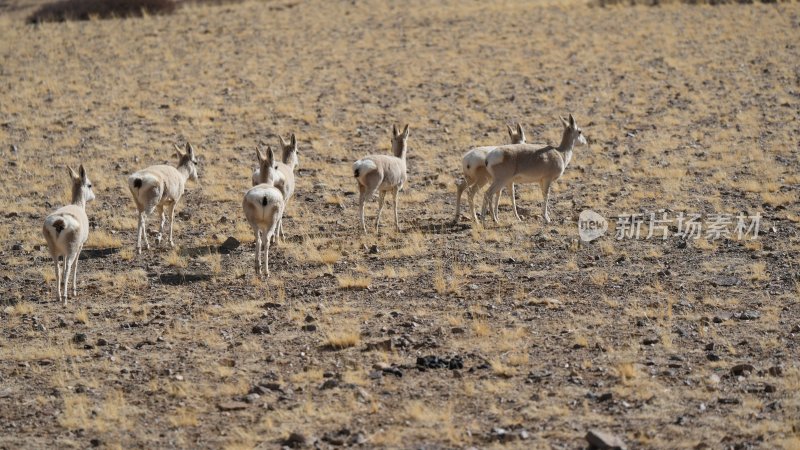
{"x":295,"y":440}
{"x":651,"y":341}
{"x":742,"y":369}
{"x":229,"y":245}
{"x":712,"y":356}
{"x":261,"y":329}
{"x":775,"y":371}
{"x":309,"y":327}
{"x":79,"y":338}
{"x":605,"y":397}
{"x":330,"y":383}
{"x":434,"y":362}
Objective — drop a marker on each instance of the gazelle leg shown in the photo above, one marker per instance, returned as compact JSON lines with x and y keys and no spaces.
{"x":381,"y":197}
{"x":546,"y":196}
{"x":396,"y":219}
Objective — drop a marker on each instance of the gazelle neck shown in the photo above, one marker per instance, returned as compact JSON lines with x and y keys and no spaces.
{"x":78,"y":199}
{"x":185,"y":171}
{"x":567,"y":143}
{"x":400,"y":152}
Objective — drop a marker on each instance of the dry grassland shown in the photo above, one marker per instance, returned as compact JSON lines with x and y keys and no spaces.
{"x":689,"y":108}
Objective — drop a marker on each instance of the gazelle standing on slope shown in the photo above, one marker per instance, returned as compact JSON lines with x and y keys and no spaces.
{"x":160,"y":186}
{"x":525,"y":163}
{"x":382,"y":173}
{"x":67,"y":229}
{"x":263,"y":207}
{"x":473,"y":165}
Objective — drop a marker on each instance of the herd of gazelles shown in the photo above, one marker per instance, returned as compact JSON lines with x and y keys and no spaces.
{"x":160,"y":187}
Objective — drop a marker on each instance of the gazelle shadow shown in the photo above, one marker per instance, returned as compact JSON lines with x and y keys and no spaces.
{"x":178,"y":279}
{"x":94,"y":253}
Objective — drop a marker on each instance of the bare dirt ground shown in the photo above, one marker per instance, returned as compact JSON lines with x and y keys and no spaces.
{"x":542,"y":337}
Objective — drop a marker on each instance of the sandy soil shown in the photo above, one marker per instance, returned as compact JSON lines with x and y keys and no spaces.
{"x":665,"y":343}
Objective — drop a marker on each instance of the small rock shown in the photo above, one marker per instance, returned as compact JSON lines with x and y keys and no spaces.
{"x":385,"y":345}
{"x":79,"y":338}
{"x":295,"y":440}
{"x":17,"y":247}
{"x":373,"y":250}
{"x":102,"y":342}
{"x":330,"y":383}
{"x":720,"y":318}
{"x":251,"y":398}
{"x":337,"y":438}
{"x":602,"y":440}
{"x":749,"y":315}
{"x":357,"y":439}
{"x":605,"y":397}
{"x":729,"y":401}
{"x":309,"y":318}
{"x":770,"y":388}
{"x":712,"y":356}
{"x":309,"y":327}
{"x":457,"y":330}
{"x":651,"y":341}
{"x":725,"y":281}
{"x":95,"y":442}
{"x":742,"y":369}
{"x":229,"y":245}
{"x":231,"y":406}
{"x":775,"y":371}
{"x":261,"y":329}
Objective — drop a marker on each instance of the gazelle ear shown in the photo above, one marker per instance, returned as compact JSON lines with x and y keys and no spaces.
{"x":189,"y":149}
{"x":572,"y":122}
{"x":270,"y":155}
{"x":178,"y":151}
{"x":283,"y":142}
{"x":405,"y":132}
{"x":394,"y":130}
{"x":293,"y":141}
{"x":259,"y":156}
{"x":564,"y":121}
{"x":520,"y":132}
{"x":510,"y":130}
{"x":72,"y":174}
{"x":82,"y":172}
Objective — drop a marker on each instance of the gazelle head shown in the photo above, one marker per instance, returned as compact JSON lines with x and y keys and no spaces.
{"x":572,"y":133}
{"x":289,"y":152}
{"x":266,"y":165}
{"x":517,"y":135}
{"x":81,"y":186}
{"x":399,"y":141}
{"x":187,"y":159}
